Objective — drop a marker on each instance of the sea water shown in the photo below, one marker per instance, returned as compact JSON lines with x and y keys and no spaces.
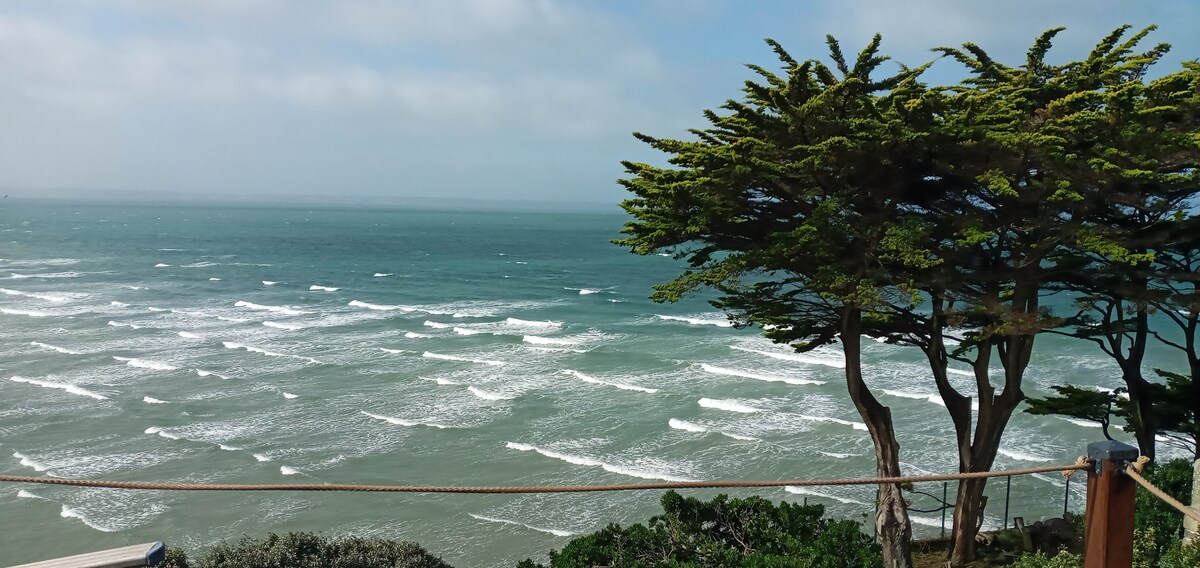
{"x":270,"y":345}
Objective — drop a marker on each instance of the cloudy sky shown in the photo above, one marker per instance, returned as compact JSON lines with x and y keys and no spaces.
{"x":482,"y":99}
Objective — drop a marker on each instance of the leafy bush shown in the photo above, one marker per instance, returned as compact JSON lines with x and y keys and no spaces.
{"x":1151,"y":515}
{"x":308,"y":550}
{"x":1180,"y":556}
{"x":750,"y":532}
{"x":1039,"y":559}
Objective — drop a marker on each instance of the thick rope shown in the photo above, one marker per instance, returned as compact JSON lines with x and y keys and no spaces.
{"x":1135,"y":470}
{"x":161,"y":486}
{"x":1080,"y":461}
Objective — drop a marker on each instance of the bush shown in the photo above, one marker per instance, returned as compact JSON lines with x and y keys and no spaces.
{"x":1180,"y":556}
{"x":1163,"y":523}
{"x":1039,"y":559}
{"x":308,"y":550}
{"x":750,"y":532}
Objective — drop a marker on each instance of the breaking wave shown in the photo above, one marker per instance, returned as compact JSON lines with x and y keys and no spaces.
{"x":622,"y":386}
{"x":403,"y":422}
{"x":797,"y":357}
{"x":272,"y":309}
{"x":49,"y":347}
{"x":555,"y":532}
{"x":146,"y":364}
{"x":586,"y":461}
{"x":488,"y":395}
{"x":756,"y":376}
{"x":463,"y":359}
{"x":696,"y":321}
{"x":60,"y":386}
{"x":729,"y":405}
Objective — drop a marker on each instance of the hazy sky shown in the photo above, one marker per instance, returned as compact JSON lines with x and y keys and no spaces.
{"x":486,"y":99}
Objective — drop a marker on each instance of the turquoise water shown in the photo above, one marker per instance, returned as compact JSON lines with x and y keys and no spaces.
{"x":417,"y":347}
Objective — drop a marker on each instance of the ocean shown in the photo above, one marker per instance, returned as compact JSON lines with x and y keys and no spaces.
{"x":272,"y":345}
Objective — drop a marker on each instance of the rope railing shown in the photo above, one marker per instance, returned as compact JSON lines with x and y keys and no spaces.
{"x":1135,"y":469}
{"x":169,"y":486}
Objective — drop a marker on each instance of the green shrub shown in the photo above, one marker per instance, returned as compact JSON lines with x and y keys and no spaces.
{"x":1039,"y":559}
{"x":308,"y":550}
{"x":1151,"y":515}
{"x":1180,"y":556}
{"x":750,"y":532}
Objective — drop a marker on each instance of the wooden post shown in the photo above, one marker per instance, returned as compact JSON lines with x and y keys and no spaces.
{"x":1108,"y":524}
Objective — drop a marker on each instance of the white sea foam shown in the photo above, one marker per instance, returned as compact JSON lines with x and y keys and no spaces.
{"x":152,"y":400}
{"x":850,"y":423}
{"x":154,"y":309}
{"x":586,"y":461}
{"x":284,"y":326}
{"x":123,"y":324}
{"x":69,"y":513}
{"x":161,"y":265}
{"x":934,"y":398}
{"x":203,"y":373}
{"x":530,"y":323}
{"x":23,"y":494}
{"x":586,"y":291}
{"x":685,"y":426}
{"x":70,"y":274}
{"x":757,"y":376}
{"x":161,"y":432}
{"x":146,"y":364}
{"x":234,"y":320}
{"x":228,"y":448}
{"x":231,"y":345}
{"x":415,"y":335}
{"x":463,"y":359}
{"x":35,"y":295}
{"x":269,"y":282}
{"x":382,"y":274}
{"x":539,"y":340}
{"x":49,"y":347}
{"x":386,"y":350}
{"x":797,"y":357}
{"x":118,"y":304}
{"x":316,"y":288}
{"x":836,"y":455}
{"x":730,"y":405}
{"x":288,"y":395}
{"x":136,"y":287}
{"x":402,"y":422}
{"x":261,"y":457}
{"x":201,"y":264}
{"x":379,"y":307}
{"x":285,"y":470}
{"x":467,"y":331}
{"x":697,"y":321}
{"x":622,"y":386}
{"x":29,"y":313}
{"x":555,"y":532}
{"x":189,"y":335}
{"x":1079,"y":421}
{"x":441,"y":381}
{"x":808,"y":491}
{"x":214,"y":279}
{"x":61,"y":386}
{"x":1023,"y":456}
{"x":437,"y":325}
{"x":273,"y":309}
{"x":30,"y":463}
{"x":488,"y":395}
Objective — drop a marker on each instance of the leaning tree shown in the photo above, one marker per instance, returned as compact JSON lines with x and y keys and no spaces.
{"x":787,"y":206}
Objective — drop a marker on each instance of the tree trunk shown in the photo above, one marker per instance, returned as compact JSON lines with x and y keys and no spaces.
{"x":891,"y":519}
{"x":1191,"y":530}
{"x":968,"y":512}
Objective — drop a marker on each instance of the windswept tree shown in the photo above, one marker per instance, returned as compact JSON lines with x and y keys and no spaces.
{"x":1138,"y":141}
{"x":786,"y":206}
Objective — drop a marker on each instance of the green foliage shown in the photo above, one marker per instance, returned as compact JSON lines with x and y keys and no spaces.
{"x":308,"y":550}
{"x":1180,"y":556}
{"x":1160,"y":525}
{"x":1040,"y":559}
{"x":723,"y":532}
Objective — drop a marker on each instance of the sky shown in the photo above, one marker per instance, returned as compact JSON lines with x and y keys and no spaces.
{"x":526,"y":100}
